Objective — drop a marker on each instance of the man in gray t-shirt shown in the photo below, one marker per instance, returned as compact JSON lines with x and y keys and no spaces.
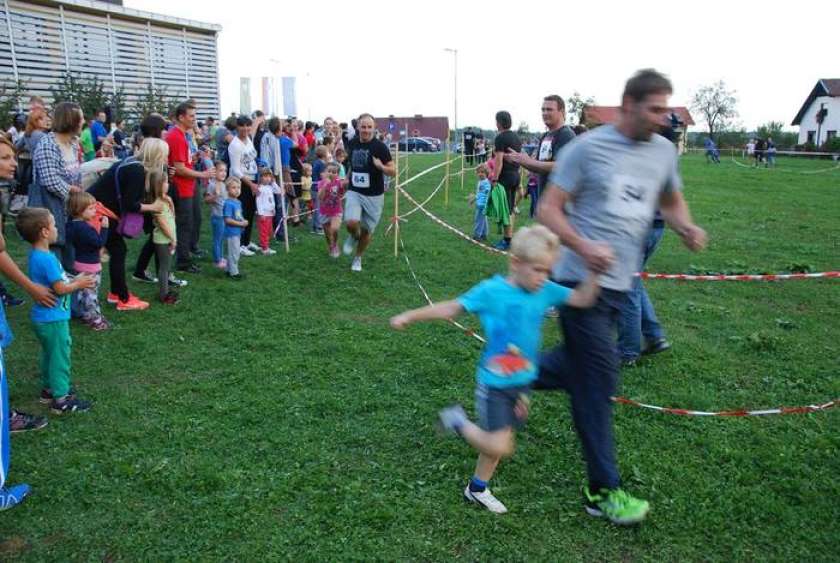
{"x":600,"y":200}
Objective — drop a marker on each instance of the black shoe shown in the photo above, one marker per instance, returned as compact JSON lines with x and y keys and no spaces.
{"x":10,"y":300}
{"x":198,"y":253}
{"x":235,"y":277}
{"x":657,"y":346}
{"x":189,"y":269}
{"x":70,"y":403}
{"x":143,"y":277}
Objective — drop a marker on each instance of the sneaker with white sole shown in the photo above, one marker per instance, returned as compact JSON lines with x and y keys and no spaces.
{"x":485,"y":499}
{"x":254,"y":247}
{"x":245,"y":251}
{"x":144,"y":277}
{"x":177,"y":281}
{"x":349,"y":246}
{"x":616,"y":505}
{"x":269,"y":252}
{"x":356,"y":266}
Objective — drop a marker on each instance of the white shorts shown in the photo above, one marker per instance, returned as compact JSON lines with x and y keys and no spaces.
{"x":365,"y":209}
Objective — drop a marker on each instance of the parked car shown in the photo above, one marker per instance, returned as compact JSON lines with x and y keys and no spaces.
{"x":435,"y":142}
{"x":417,"y":144}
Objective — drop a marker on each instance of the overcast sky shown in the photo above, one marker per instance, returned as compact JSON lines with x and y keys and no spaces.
{"x":388,"y":57}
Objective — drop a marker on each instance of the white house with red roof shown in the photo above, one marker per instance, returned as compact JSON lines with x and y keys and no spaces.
{"x":819,"y":117}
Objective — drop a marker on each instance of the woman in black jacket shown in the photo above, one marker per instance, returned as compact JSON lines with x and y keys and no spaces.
{"x":123,"y":189}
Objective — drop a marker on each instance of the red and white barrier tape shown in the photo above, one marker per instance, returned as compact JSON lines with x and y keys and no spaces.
{"x":739,"y":412}
{"x":625,"y":401}
{"x":739,"y":277}
{"x":449,"y":227}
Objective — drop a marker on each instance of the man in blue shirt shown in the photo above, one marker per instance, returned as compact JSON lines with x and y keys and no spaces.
{"x":511,"y":311}
{"x":98,"y":132}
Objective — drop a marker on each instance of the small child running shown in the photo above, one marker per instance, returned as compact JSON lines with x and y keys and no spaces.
{"x":52,"y":324}
{"x":87,"y":245}
{"x":266,"y":208}
{"x":511,"y":310}
{"x":330,"y":192}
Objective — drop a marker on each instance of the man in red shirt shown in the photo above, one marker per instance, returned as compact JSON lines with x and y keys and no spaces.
{"x":184,"y":180}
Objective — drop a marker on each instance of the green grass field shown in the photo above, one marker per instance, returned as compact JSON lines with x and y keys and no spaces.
{"x":280,"y":418}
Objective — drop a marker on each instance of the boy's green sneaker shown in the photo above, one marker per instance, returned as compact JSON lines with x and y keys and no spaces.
{"x":616,"y":505}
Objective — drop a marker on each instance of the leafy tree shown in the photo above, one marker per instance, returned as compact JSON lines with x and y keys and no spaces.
{"x":89,"y":92}
{"x":523,"y":128}
{"x":717,"y":106}
{"x":153,"y":100}
{"x":11,"y":96}
{"x":775,"y":129}
{"x":574,"y":107}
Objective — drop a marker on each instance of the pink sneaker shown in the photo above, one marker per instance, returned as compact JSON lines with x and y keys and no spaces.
{"x":221,"y":264}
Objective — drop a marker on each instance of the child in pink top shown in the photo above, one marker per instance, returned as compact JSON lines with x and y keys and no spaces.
{"x":330,"y":192}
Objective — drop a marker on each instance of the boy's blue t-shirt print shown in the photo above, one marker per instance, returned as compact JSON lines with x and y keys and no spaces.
{"x":512,"y":319}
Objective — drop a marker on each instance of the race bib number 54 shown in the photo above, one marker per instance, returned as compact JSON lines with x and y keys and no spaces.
{"x":361,"y":179}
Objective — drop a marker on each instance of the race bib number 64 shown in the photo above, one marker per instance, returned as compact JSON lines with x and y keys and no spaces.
{"x":361,"y":179}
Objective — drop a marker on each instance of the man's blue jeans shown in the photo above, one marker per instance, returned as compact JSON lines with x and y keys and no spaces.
{"x":586,"y":367}
{"x":638,"y":317}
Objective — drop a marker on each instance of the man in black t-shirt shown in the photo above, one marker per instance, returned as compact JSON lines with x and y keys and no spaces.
{"x":558,"y":134}
{"x":506,"y":172}
{"x":469,"y":145}
{"x":369,"y":161}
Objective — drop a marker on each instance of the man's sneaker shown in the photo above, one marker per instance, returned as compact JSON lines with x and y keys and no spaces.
{"x":502,"y":245}
{"x":22,"y":422}
{"x":10,"y":300}
{"x":254,"y":247}
{"x":452,"y":418}
{"x":269,"y":252}
{"x":657,"y":346}
{"x":143,"y":277}
{"x":12,"y":496}
{"x":177,"y":281}
{"x":198,"y":253}
{"x":132,"y":304}
{"x":349,"y":246}
{"x":485,"y":499}
{"x":356,"y":266}
{"x":189,"y":269}
{"x":69,"y":403}
{"x":245,"y":251}
{"x":616,"y":505}
{"x":112,"y":298}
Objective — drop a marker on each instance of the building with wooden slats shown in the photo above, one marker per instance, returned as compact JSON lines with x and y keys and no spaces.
{"x":42,"y":40}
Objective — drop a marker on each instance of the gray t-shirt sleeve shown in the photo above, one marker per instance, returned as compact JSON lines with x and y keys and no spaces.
{"x":567,"y":172}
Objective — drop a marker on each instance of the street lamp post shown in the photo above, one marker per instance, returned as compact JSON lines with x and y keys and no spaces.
{"x":455,"y":90}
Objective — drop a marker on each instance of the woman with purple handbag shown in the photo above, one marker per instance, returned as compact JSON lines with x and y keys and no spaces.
{"x":124,"y":190}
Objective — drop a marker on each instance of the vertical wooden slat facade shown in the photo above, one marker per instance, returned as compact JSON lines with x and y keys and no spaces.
{"x":42,"y":40}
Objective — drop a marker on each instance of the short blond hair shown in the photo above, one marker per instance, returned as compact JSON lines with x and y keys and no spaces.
{"x":233,"y":181}
{"x":534,"y":242}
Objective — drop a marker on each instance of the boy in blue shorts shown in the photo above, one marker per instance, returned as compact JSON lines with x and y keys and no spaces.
{"x":511,"y":310}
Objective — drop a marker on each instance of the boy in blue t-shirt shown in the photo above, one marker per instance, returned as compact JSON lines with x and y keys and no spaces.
{"x":234,"y":222}
{"x":511,"y":310}
{"x":52,"y":324}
